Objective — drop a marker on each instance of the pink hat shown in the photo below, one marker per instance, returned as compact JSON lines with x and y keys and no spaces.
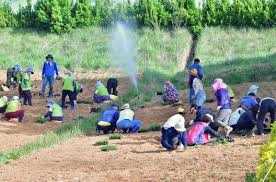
{"x":218,"y":84}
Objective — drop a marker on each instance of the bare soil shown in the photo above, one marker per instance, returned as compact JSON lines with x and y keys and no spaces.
{"x":138,"y":158}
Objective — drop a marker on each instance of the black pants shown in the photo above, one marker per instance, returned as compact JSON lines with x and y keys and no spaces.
{"x":105,"y":129}
{"x":112,"y":84}
{"x":27,"y":97}
{"x":20,"y":92}
{"x":267,"y":106}
{"x":3,"y":109}
{"x":71,"y":98}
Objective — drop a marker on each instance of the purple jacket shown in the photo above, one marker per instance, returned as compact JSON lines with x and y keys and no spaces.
{"x":223,"y":98}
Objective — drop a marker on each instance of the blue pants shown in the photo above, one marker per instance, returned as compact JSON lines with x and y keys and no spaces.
{"x":191,"y":93}
{"x":48,"y":80}
{"x":171,"y":138}
{"x":129,"y":126}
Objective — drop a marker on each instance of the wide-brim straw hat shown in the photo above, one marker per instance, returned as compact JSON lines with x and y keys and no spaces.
{"x":125,"y":106}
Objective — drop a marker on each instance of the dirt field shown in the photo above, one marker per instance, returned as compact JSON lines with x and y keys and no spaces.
{"x":138,"y":158}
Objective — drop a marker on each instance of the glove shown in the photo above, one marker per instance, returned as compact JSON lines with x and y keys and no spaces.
{"x":218,"y":108}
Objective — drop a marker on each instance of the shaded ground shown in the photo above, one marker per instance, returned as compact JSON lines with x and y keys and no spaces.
{"x":138,"y":158}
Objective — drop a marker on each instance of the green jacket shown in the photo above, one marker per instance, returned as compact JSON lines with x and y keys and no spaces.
{"x":12,"y":106}
{"x":3,"y":103}
{"x":101,"y":90}
{"x":56,"y":110}
{"x":68,"y":83}
{"x":26,"y":82}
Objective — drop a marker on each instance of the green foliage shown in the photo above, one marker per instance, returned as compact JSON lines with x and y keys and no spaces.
{"x":41,"y":120}
{"x":26,"y":16}
{"x":115,"y":136}
{"x":101,"y":142}
{"x":266,"y":170}
{"x":7,"y":17}
{"x":106,"y":148}
{"x":82,"y":12}
{"x":152,"y":127}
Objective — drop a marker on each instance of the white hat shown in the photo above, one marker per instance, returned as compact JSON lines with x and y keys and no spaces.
{"x":180,"y":127}
{"x":15,"y":98}
{"x":126,"y":106}
{"x":210,"y":117}
{"x":180,"y":110}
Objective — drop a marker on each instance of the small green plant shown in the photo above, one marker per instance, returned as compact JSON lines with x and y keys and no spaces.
{"x":250,"y":177}
{"x":107,"y":148}
{"x":101,"y":142}
{"x":151,"y":127}
{"x":115,"y":136}
{"x":41,"y":120}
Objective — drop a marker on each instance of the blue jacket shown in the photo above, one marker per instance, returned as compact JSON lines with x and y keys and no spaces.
{"x":110,"y":115}
{"x":200,"y":73}
{"x":49,"y":69}
{"x":223,"y":99}
{"x":248,"y":102}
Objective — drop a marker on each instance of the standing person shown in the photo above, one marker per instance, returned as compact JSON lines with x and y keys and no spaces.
{"x":68,"y":90}
{"x":13,"y":110}
{"x":170,"y":93}
{"x":26,"y":86}
{"x":107,"y":120}
{"x":54,"y":113}
{"x":126,"y":122}
{"x":199,"y":96}
{"x":112,"y":84}
{"x":267,"y":105}
{"x":174,"y":132}
{"x":3,"y":104}
{"x":200,"y":74}
{"x":223,"y":104}
{"x":49,"y":71}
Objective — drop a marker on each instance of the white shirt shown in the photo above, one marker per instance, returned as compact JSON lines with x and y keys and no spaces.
{"x":176,"y":120}
{"x":197,"y":85}
{"x":126,"y":114}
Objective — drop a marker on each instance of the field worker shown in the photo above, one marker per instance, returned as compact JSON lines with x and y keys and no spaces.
{"x":267,"y":105}
{"x":170,"y":93}
{"x":108,"y":119}
{"x":49,"y":71}
{"x":126,"y":121}
{"x":245,"y":123}
{"x":196,"y":65}
{"x":253,"y":89}
{"x":3,"y":104}
{"x":68,"y":90}
{"x":112,"y":84}
{"x":199,"y":96}
{"x":200,"y":132}
{"x":235,"y":116}
{"x":250,"y":103}
{"x":12,"y":76}
{"x":13,"y":110}
{"x":26,"y":86}
{"x":174,"y":132}
{"x":101,"y":93}
{"x":77,"y":89}
{"x":55,"y":112}
{"x":223,"y":104}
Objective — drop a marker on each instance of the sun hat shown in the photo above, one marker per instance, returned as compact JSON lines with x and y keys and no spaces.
{"x":5,"y":98}
{"x":125,"y":106}
{"x":218,"y":84}
{"x":180,"y":110}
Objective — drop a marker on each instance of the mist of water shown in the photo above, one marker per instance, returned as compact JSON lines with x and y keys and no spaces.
{"x":123,"y":51}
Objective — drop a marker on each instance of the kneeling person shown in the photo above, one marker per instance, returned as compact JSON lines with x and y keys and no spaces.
{"x":126,"y":121}
{"x":54,"y":113}
{"x":174,"y":132}
{"x":107,"y":121}
{"x":13,"y":110}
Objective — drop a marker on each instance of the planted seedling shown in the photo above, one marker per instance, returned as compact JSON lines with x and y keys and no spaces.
{"x":107,"y":148}
{"x":115,"y":136}
{"x":101,"y":142}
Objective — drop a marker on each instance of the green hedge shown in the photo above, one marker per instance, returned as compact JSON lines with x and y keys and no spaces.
{"x":266,"y":170}
{"x":63,"y":15}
